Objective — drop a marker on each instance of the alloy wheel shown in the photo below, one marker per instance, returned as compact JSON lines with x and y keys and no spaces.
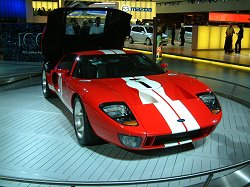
{"x":44,"y":81}
{"x":79,"y":119}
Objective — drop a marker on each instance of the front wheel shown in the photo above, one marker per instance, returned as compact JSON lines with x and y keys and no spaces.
{"x":130,"y":40}
{"x":83,"y":130}
{"x":148,"y":41}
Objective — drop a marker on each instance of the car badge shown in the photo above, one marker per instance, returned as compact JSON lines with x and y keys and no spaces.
{"x":181,"y":120}
{"x":125,"y":8}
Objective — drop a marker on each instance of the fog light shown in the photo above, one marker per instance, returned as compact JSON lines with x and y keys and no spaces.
{"x":130,"y":141}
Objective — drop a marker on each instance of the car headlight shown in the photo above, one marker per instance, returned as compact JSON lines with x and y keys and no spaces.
{"x":210,"y":101}
{"x":120,"y":113}
{"x":130,"y":141}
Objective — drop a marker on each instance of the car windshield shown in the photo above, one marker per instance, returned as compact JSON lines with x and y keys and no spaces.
{"x":114,"y":66}
{"x":149,"y":29}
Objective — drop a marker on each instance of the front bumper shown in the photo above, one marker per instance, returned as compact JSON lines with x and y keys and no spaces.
{"x":165,"y":141}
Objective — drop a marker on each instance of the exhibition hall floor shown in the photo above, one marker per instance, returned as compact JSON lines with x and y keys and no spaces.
{"x":37,"y":140}
{"x":241,"y":59}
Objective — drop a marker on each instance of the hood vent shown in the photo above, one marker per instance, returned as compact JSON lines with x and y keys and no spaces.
{"x":147,"y":99}
{"x":186,"y":94}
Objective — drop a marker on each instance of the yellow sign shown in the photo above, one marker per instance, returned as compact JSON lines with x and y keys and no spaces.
{"x":138,"y":9}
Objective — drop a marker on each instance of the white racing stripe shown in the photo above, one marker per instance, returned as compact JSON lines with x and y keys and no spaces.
{"x":190,"y":123}
{"x":64,"y":102}
{"x":51,"y":87}
{"x":107,"y":52}
{"x":166,"y":111}
{"x":185,"y":141}
{"x":170,"y":117}
{"x":151,"y":92}
{"x":172,"y":144}
{"x":118,"y":51}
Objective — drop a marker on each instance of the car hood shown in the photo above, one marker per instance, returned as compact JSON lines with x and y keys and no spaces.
{"x":162,"y":104}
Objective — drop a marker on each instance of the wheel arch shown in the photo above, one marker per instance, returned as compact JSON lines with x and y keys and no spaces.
{"x":148,"y":38}
{"x":95,"y":139}
{"x":47,"y":66}
{"x":73,"y":99}
{"x":130,"y":39}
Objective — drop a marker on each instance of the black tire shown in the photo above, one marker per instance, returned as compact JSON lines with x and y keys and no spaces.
{"x":130,"y":40}
{"x":84,"y":132}
{"x":47,"y":93}
{"x":148,"y":41}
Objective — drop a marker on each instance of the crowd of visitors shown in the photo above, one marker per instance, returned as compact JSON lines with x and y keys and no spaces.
{"x":41,"y":11}
{"x":88,"y":27}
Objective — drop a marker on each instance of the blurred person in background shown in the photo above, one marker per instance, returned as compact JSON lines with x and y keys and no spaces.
{"x":96,"y":28}
{"x":240,"y":36}
{"x":182,"y":33}
{"x":70,"y":27}
{"x":229,"y":39}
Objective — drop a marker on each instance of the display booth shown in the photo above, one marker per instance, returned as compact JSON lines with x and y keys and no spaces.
{"x":213,"y":37}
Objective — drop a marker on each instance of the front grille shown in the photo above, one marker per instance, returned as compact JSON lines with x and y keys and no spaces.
{"x":197,"y":134}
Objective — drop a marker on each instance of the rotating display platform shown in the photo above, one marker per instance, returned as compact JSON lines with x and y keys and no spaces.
{"x":37,"y":141}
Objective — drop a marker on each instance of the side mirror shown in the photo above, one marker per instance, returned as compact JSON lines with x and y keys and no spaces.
{"x":164,"y":65}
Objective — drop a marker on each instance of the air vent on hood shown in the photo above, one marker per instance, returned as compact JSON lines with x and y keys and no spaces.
{"x":146,"y":98}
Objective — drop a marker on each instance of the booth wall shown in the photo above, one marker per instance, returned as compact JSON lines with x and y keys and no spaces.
{"x":213,"y":37}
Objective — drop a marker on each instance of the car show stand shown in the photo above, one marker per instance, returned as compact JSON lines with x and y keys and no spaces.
{"x":37,"y":141}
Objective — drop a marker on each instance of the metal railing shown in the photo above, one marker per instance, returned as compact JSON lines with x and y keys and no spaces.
{"x":228,"y":89}
{"x":6,"y":79}
{"x":209,"y":175}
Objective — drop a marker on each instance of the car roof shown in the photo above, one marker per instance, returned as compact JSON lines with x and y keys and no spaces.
{"x":105,"y":52}
{"x":141,"y":26}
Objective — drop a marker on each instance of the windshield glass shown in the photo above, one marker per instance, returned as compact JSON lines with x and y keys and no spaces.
{"x":85,"y":22}
{"x":149,"y":29}
{"x":113,"y":66}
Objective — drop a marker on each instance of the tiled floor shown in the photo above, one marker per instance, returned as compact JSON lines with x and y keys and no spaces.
{"x":37,"y":141}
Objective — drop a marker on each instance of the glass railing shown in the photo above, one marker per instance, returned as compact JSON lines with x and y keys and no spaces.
{"x":227,"y":89}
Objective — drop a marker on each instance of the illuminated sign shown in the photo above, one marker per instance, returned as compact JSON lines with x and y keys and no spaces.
{"x":238,"y":18}
{"x":13,"y":9}
{"x":126,"y":8}
{"x":138,"y":9}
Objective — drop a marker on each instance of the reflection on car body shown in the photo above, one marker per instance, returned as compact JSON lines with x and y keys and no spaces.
{"x":126,"y":99}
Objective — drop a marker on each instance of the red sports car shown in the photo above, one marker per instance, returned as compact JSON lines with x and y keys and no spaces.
{"x":126,"y":99}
